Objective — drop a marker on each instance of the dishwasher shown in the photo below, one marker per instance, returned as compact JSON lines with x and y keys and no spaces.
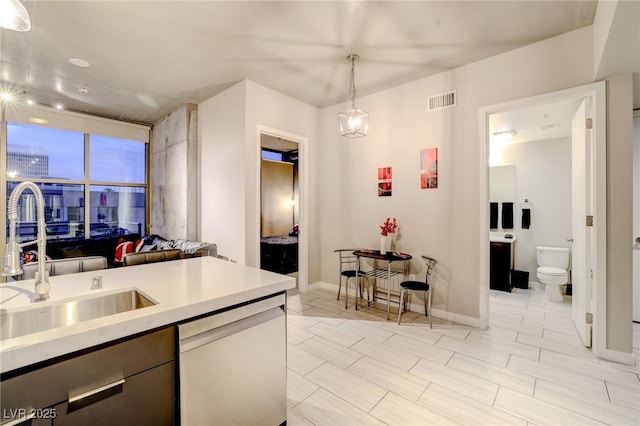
{"x":233,"y":367}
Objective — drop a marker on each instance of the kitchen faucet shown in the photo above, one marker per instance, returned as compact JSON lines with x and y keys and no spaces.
{"x":12,"y":258}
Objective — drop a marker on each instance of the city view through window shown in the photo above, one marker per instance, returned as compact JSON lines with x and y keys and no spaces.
{"x":83,"y":178}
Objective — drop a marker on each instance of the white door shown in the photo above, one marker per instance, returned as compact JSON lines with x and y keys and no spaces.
{"x":581,"y":202}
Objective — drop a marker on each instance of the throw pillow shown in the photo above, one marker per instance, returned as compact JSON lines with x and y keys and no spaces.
{"x":122,"y":250}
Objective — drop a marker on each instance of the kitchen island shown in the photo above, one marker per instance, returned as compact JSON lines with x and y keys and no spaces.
{"x":182,"y":290}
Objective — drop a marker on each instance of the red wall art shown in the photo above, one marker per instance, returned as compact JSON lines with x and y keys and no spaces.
{"x":384,"y":182}
{"x":429,"y":168}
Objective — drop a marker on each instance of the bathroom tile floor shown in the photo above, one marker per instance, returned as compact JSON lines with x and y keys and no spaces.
{"x":348,"y":367}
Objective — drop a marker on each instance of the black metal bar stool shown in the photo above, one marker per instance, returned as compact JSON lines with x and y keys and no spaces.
{"x":349,"y":268}
{"x":419,"y":286}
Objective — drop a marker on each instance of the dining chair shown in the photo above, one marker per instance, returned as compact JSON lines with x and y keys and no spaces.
{"x":425,"y":286}
{"x":349,"y":268}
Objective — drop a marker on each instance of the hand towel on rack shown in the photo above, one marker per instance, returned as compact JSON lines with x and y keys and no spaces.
{"x":526,"y":218}
{"x":493,"y":215}
{"x":507,"y":215}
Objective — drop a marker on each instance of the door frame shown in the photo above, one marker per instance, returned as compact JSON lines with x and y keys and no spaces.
{"x":597,"y":92}
{"x":636,"y":216}
{"x":303,"y":197}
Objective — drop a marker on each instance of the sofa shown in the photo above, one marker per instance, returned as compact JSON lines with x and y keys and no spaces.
{"x":65,"y":266}
{"x":80,"y":247}
{"x":152,"y":243}
{"x":115,"y":247}
{"x":152,"y":256}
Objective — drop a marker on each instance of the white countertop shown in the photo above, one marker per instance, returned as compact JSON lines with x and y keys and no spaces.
{"x":499,"y":237}
{"x":182,"y":288}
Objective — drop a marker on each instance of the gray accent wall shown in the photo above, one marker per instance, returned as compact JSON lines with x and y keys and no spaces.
{"x":174,"y":175}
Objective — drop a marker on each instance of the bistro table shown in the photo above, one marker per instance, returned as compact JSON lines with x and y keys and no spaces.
{"x":381,"y":272}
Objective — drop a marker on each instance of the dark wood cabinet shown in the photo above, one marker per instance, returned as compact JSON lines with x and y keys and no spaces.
{"x":500,"y":266}
{"x":128,"y":382}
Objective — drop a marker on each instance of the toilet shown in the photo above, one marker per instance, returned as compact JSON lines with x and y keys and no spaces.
{"x":553,"y":263}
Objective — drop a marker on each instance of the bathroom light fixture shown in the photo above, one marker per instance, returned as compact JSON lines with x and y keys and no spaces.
{"x":14,"y":16}
{"x":354,"y":123}
{"x":505,"y":134}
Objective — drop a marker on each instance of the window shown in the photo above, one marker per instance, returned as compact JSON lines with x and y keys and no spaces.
{"x":84,"y":178}
{"x":63,"y":213}
{"x":42,"y":152}
{"x":271,"y":155}
{"x":129,"y":156}
{"x":117,"y":209}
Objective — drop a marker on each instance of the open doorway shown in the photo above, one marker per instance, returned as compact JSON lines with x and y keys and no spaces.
{"x":279,"y":205}
{"x":548,"y":172}
{"x":531,"y":226}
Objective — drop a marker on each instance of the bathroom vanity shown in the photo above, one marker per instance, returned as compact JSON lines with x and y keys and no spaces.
{"x":127,"y":366}
{"x":502,"y":259}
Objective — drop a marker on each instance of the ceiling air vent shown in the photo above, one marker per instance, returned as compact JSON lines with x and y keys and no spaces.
{"x":443,"y":100}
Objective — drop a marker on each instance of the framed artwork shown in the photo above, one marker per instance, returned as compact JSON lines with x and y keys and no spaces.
{"x":429,"y":168}
{"x":384,"y":181}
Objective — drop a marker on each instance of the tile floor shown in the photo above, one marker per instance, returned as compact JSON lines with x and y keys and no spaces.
{"x":356,"y":368}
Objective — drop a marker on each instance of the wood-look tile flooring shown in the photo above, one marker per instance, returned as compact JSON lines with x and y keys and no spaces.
{"x":356,"y":368}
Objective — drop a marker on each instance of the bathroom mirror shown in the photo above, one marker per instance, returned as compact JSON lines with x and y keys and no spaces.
{"x":502,"y":184}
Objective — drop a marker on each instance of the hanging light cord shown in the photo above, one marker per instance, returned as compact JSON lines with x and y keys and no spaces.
{"x":352,"y":81}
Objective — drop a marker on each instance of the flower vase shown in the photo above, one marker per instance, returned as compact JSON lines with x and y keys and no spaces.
{"x":384,"y":240}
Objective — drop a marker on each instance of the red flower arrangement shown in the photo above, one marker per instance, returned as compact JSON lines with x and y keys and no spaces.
{"x":390,"y":226}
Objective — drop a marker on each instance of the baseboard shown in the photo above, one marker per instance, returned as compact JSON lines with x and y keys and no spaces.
{"x":617,"y":356}
{"x":413,"y":307}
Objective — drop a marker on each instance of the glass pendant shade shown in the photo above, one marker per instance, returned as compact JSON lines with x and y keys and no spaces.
{"x":14,"y":16}
{"x":353,"y":123}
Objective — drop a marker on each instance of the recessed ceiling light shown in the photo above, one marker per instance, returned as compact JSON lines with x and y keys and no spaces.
{"x":549,"y":126}
{"x":505,"y":134}
{"x":31,"y":102}
{"x":6,"y":96}
{"x":59,"y":106}
{"x":79,"y":62}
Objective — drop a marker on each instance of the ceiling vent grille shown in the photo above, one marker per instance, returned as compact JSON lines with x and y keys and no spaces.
{"x":443,"y":100}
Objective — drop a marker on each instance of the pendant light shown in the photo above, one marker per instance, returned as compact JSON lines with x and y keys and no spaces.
{"x":14,"y":16}
{"x":354,"y":123}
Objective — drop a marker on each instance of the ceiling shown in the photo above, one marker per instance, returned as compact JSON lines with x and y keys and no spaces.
{"x":277,"y":144}
{"x":535,"y":123}
{"x":147,"y":58}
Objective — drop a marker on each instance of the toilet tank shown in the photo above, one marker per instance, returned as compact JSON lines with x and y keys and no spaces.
{"x":553,"y":256}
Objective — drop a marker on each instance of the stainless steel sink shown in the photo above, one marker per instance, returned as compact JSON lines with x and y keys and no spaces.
{"x":48,"y":315}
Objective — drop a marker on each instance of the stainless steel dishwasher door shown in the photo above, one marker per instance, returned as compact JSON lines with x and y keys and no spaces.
{"x":233,"y":367}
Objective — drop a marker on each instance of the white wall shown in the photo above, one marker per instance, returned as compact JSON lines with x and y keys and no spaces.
{"x":440,"y":222}
{"x":539,"y":166}
{"x":221,"y":139}
{"x":616,"y":41}
{"x":270,"y":109}
{"x":228,"y":125}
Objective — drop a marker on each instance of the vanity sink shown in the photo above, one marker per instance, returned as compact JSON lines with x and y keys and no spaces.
{"x":502,"y":237}
{"x":53,"y":314}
